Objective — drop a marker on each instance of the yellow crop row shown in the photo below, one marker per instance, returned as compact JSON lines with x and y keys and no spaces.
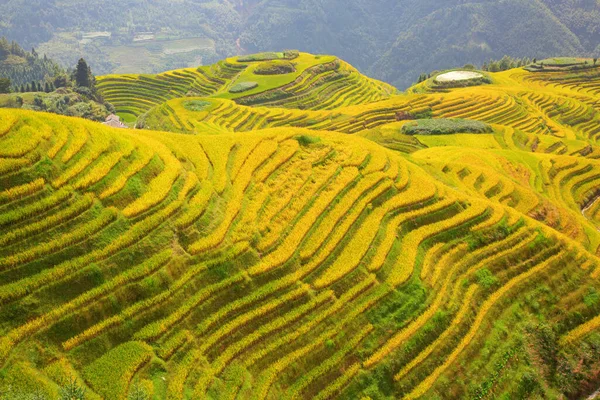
{"x":218,"y":152}
{"x":282,"y":188}
{"x":99,"y":171}
{"x":18,"y":192}
{"x":144,"y":157}
{"x":340,"y":210}
{"x":431,"y":258}
{"x":318,"y":181}
{"x":295,"y":391}
{"x":335,"y":308}
{"x":61,"y":135}
{"x":197,"y":205}
{"x":176,"y":381}
{"x":267,"y":377}
{"x":245,"y":318}
{"x":23,"y":141}
{"x":24,"y":286}
{"x":426,"y":384}
{"x":287,"y":149}
{"x":83,"y":300}
{"x":360,"y":243}
{"x":158,"y":189}
{"x":336,"y":386}
{"x":391,"y":231}
{"x":404,"y":266}
{"x":342,"y":229}
{"x":62,"y":242}
{"x":65,"y":214}
{"x":13,"y":164}
{"x":261,"y":153}
{"x":28,"y":211}
{"x":111,"y":374}
{"x":580,"y":331}
{"x":6,"y":124}
{"x":170,"y":346}
{"x":458,"y":318}
{"x":270,"y":327}
{"x":235,"y":324}
{"x":98,"y":144}
{"x":290,"y":244}
{"x":416,"y":324}
{"x":157,"y":328}
{"x":79,"y":138}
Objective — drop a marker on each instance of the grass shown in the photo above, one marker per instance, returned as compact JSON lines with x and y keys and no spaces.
{"x":317,"y":236}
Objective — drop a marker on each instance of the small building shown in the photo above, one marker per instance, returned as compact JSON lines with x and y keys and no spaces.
{"x":114,"y":121}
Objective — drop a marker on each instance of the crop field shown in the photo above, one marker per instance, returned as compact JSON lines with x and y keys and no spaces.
{"x":292,"y":241}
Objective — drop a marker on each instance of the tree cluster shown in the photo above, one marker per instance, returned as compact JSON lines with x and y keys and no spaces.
{"x":505,"y":63}
{"x":23,"y":67}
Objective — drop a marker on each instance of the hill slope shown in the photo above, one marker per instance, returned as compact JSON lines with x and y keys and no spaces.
{"x":296,"y":260}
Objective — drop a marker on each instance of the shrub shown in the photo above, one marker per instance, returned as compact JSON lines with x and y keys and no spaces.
{"x":445,"y":127}
{"x":196,"y":105}
{"x":267,"y":56}
{"x":261,"y":57}
{"x":306,"y":140}
{"x":243,"y":87}
{"x":276,"y":67}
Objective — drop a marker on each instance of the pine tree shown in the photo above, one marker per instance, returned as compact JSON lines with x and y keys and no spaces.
{"x":82,"y":74}
{"x":4,"y":85}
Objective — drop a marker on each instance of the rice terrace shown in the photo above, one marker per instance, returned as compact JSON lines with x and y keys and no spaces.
{"x":281,"y":226}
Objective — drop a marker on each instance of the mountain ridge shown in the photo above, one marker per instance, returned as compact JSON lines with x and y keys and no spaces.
{"x":391,"y":41}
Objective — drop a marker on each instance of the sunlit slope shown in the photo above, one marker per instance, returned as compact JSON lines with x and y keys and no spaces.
{"x":542,"y":127}
{"x":316,"y":82}
{"x":286,"y":263}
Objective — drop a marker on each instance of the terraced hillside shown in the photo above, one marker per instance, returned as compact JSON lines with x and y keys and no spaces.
{"x":315,"y":82}
{"x":296,"y":260}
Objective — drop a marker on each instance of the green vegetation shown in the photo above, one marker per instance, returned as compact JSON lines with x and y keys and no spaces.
{"x":275,"y":68}
{"x":22,"y":67}
{"x":72,"y":94}
{"x":240,"y":87}
{"x":196,"y":105}
{"x":286,"y":55}
{"x":445,"y":127}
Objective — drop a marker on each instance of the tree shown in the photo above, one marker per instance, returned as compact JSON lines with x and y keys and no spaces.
{"x":4,"y":85}
{"x":595,"y":61}
{"x":494,"y":67}
{"x":71,"y":390}
{"x":47,"y":87}
{"x":83,"y":74}
{"x":60,"y":81}
{"x":33,"y":86}
{"x":138,"y":393}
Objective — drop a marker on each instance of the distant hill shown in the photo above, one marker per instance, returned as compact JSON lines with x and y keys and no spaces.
{"x":23,"y":67}
{"x":390,"y":40}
